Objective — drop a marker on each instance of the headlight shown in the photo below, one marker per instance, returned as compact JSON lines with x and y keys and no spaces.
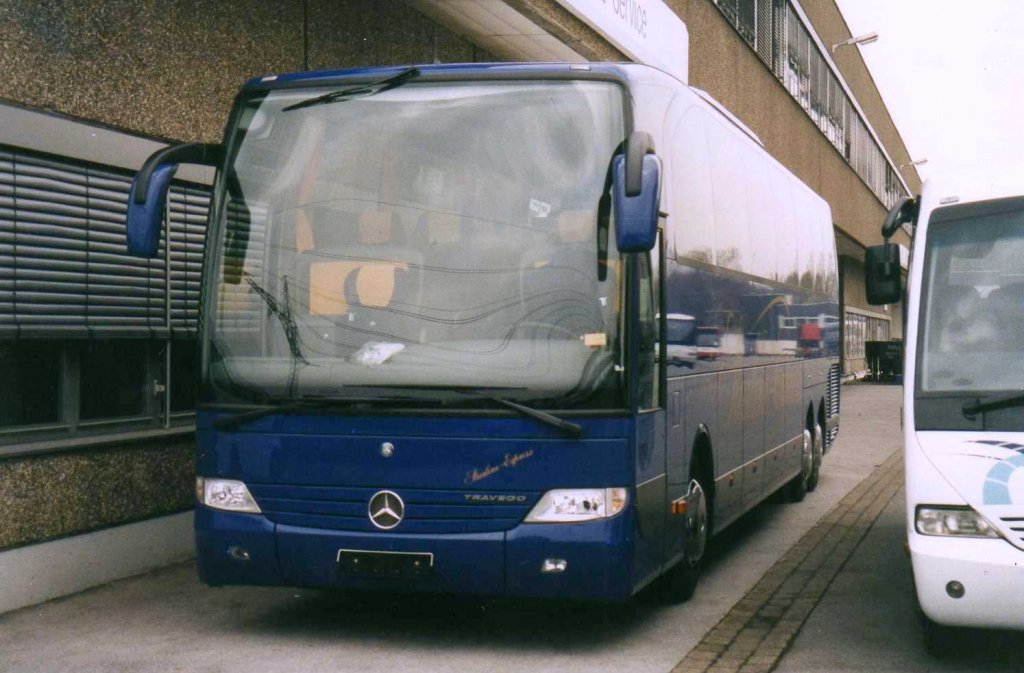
{"x":953,"y":521}
{"x":578,"y":504}
{"x":226,"y":494}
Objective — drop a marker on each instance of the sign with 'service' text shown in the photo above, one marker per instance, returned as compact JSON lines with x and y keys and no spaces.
{"x":647,"y":31}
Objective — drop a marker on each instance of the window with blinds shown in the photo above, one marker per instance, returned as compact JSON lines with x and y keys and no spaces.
{"x":94,"y":343}
{"x":64,"y":269}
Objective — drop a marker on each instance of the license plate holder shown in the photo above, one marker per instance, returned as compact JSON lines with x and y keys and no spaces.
{"x":385,"y":564}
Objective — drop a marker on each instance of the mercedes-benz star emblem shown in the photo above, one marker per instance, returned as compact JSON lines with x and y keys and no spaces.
{"x":386,"y":510}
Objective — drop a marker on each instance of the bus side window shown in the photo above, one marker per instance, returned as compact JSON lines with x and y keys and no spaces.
{"x":647,"y":378}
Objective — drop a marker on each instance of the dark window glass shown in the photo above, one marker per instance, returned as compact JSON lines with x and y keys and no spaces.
{"x":745,"y":19}
{"x":184,"y":357}
{"x":113,"y":379}
{"x":30,"y":376}
{"x":647,"y":389}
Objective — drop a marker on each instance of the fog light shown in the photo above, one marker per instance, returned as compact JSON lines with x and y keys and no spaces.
{"x":955,"y":589}
{"x":238,"y":553}
{"x":553,"y":566}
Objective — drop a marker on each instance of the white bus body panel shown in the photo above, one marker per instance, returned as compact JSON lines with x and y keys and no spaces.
{"x":984,"y":470}
{"x":965,"y":468}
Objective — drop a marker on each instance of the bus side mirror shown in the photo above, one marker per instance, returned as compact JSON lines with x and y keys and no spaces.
{"x":882,"y":262}
{"x":904,"y":212}
{"x":146,"y":209}
{"x":882,"y":274}
{"x":148,"y":195}
{"x":636,"y":186}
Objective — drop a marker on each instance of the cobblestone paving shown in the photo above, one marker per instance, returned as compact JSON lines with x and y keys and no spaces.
{"x":756,"y":632}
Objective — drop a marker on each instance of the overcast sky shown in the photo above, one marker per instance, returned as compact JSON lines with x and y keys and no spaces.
{"x":951,"y":73}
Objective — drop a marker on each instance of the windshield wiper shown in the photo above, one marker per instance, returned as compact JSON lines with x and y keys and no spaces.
{"x":1004,"y":401}
{"x":358,"y":91}
{"x":574,"y":430}
{"x":231,"y":422}
{"x":283,"y":311}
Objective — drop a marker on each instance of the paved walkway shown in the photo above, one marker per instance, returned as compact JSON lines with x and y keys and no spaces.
{"x":759,"y":629}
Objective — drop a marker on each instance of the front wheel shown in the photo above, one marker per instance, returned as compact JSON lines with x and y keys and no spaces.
{"x":681,"y":581}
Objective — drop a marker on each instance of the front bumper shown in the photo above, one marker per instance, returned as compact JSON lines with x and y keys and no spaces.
{"x":598,"y":557}
{"x":991,"y":571}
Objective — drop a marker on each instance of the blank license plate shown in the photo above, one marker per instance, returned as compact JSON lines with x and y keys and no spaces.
{"x":385,"y":563}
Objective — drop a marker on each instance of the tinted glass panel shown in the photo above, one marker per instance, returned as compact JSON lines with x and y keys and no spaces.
{"x":113,"y":379}
{"x":184,"y":369}
{"x":30,"y":377}
{"x":691,"y":189}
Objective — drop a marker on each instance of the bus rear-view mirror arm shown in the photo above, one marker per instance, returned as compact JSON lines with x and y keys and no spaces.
{"x":882,"y":262}
{"x":148,"y":195}
{"x":636,"y":185}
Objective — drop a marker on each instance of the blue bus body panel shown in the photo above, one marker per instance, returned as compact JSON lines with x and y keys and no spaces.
{"x":467,"y":483}
{"x":465,"y":564}
{"x":461,"y":453}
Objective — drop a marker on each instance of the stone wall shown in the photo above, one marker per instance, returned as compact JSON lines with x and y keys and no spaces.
{"x":56,"y":495}
{"x":171,"y":68}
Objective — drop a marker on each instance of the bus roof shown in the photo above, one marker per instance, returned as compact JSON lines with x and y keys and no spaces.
{"x":980,"y":184}
{"x":623,"y":72}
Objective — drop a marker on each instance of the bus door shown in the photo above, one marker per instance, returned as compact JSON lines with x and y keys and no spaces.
{"x":651,"y":484}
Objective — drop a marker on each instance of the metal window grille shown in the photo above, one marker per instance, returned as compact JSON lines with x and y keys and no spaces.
{"x":832,"y":408}
{"x":774,"y":30}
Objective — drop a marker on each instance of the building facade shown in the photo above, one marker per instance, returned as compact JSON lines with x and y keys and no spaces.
{"x":97,"y":349}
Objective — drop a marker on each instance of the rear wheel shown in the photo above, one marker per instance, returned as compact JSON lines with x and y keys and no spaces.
{"x":817,"y":451}
{"x":800,"y":484}
{"x":681,"y":581}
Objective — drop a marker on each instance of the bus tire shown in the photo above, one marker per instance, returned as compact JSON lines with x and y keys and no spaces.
{"x":817,"y":451}
{"x":797,"y":488}
{"x":680,"y":582}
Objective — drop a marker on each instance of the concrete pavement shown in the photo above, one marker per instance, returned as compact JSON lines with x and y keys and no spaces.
{"x":867,"y":621}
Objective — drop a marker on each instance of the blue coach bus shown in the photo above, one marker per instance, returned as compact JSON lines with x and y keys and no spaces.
{"x":433,"y":343}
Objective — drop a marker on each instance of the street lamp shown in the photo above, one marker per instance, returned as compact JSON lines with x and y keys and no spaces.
{"x":913,"y":163}
{"x":866,"y":38}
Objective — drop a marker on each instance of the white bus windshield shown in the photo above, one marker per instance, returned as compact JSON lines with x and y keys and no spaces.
{"x":972,"y":314}
{"x":431,"y":236}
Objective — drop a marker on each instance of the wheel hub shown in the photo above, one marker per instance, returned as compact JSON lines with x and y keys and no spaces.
{"x":696,"y":523}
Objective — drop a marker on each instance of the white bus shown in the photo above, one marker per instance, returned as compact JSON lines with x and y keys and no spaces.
{"x":963,"y":405}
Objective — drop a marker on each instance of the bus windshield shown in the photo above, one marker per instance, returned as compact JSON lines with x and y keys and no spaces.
{"x":972,"y":314}
{"x":431,"y":237}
